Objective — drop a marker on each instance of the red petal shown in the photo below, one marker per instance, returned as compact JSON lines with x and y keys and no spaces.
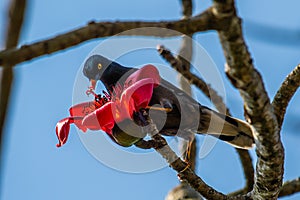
{"x":148,"y":71}
{"x":63,"y":129}
{"x":140,"y":93}
{"x":102,"y":118}
{"x":82,"y":110}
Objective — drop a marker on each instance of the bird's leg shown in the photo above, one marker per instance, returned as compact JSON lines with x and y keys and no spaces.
{"x":187,"y":155}
{"x":165,"y":106}
{"x":188,"y":147}
{"x":159,"y":108}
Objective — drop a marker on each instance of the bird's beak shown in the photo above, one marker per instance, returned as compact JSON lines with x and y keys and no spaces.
{"x":92,"y":84}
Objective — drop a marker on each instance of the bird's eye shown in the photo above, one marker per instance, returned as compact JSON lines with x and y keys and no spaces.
{"x":99,"y":66}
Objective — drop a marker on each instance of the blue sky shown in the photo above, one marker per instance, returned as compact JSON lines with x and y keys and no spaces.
{"x":33,"y":168}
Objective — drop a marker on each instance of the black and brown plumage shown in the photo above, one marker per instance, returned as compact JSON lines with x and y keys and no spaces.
{"x":182,"y":113}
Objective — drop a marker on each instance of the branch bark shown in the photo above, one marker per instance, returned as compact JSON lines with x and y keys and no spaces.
{"x":290,"y":187}
{"x":187,"y":8}
{"x":265,"y":117}
{"x":15,"y":21}
{"x":193,"y":79}
{"x":182,"y":168}
{"x":258,"y":109}
{"x":204,"y":22}
{"x":285,"y":94}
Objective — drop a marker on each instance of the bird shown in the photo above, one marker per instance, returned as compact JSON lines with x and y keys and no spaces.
{"x":180,"y":114}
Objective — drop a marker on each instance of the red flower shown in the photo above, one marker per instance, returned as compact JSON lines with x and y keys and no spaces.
{"x":77,"y":112}
{"x":107,"y":110}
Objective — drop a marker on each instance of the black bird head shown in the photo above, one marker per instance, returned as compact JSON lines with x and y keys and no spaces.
{"x":98,"y":67}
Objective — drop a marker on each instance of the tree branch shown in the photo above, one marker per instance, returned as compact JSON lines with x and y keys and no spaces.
{"x":204,"y":22}
{"x":219,"y":104}
{"x":16,"y":16}
{"x":187,"y":8}
{"x":15,"y":21}
{"x":285,"y":94}
{"x":290,"y":187}
{"x":183,"y":170}
{"x":258,"y":109}
{"x":248,"y":170}
{"x":192,"y":78}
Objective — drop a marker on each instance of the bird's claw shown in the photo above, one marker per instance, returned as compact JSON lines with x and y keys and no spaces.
{"x":166,"y":104}
{"x":159,"y":108}
{"x":184,"y":169}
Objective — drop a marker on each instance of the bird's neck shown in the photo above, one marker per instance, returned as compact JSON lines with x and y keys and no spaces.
{"x":113,"y":74}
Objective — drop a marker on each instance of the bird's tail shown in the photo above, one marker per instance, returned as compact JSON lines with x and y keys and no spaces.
{"x":231,"y":130}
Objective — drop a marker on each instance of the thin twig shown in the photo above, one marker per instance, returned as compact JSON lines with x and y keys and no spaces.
{"x":219,"y":104}
{"x":258,"y":109}
{"x":204,"y":22}
{"x":248,"y":169}
{"x":285,"y":93}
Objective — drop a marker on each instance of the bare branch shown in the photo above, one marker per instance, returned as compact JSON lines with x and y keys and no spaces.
{"x":183,"y":170}
{"x":258,"y":109}
{"x":204,"y":22}
{"x":187,"y":8}
{"x":193,"y":79}
{"x":15,"y":21}
{"x":219,"y":104}
{"x":16,"y":15}
{"x":246,"y":161}
{"x":290,"y":187}
{"x":285,"y":94}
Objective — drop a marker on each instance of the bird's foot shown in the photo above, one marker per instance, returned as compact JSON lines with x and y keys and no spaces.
{"x":159,"y":108}
{"x":184,"y":169}
{"x":165,"y":106}
{"x":187,"y":156}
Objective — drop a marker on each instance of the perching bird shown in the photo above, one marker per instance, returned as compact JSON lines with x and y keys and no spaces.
{"x":180,"y":114}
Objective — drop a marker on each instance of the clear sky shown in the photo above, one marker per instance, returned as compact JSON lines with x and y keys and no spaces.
{"x":33,"y":168}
